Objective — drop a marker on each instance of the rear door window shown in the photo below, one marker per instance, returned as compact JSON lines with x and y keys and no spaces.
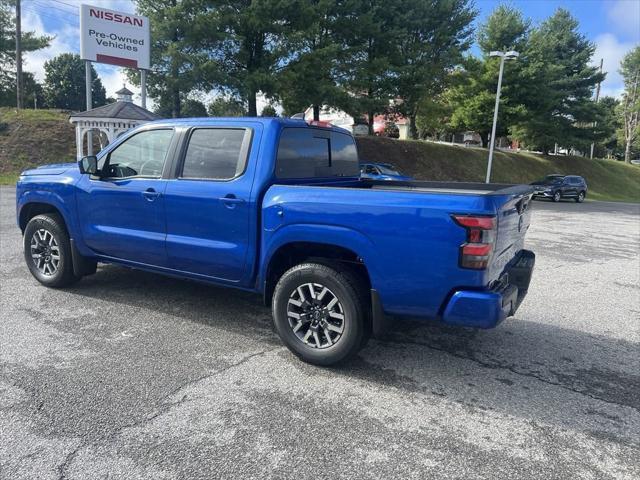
{"x":215,"y":153}
{"x":344,"y":154}
{"x":311,"y":152}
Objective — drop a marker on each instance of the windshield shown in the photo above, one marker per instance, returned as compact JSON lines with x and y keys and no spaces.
{"x":550,"y":180}
{"x":388,"y":170}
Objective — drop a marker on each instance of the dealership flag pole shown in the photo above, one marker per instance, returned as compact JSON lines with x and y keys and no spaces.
{"x":87,"y":75}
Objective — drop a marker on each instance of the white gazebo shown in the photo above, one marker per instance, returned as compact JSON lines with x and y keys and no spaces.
{"x":109,"y":121}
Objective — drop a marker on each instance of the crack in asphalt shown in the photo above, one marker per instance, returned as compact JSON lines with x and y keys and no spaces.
{"x":165,"y":407}
{"x":510,"y":368}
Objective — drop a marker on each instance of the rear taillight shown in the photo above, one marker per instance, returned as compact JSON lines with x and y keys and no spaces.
{"x":476,"y":252}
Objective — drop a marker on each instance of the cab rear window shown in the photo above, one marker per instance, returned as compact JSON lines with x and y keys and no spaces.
{"x":316,"y":153}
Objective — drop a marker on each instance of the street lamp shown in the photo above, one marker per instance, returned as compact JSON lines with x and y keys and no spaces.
{"x":510,"y":55}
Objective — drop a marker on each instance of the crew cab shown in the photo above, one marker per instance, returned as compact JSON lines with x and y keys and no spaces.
{"x":277,"y":207}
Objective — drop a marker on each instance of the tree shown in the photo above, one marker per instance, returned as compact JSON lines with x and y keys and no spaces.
{"x":269,"y":111}
{"x":193,"y":108}
{"x":227,"y":107}
{"x":630,"y":70}
{"x":30,"y":43}
{"x":177,"y":55}
{"x":433,"y":116}
{"x":609,"y":123}
{"x":367,"y":31}
{"x":309,"y":78}
{"x":559,"y":104}
{"x":32,"y":91}
{"x":434,"y":34}
{"x":474,"y":89}
{"x":245,"y":44}
{"x":64,"y":85}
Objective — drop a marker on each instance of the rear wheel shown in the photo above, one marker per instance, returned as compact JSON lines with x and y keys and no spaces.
{"x":319,"y":313}
{"x":580,"y":197}
{"x":47,"y":251}
{"x":557,"y":196}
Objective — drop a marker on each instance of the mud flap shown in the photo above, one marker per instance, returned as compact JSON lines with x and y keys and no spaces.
{"x":82,"y":266}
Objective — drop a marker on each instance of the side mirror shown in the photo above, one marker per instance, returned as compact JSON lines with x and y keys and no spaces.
{"x":88,"y":165}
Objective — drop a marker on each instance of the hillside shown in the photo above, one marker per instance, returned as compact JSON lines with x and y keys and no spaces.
{"x":35,"y":137}
{"x":607,"y":179}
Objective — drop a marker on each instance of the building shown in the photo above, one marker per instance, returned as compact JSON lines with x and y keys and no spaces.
{"x":109,"y":121}
{"x":342,"y":119}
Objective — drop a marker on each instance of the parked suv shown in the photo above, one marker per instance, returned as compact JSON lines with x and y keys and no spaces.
{"x":556,"y":187}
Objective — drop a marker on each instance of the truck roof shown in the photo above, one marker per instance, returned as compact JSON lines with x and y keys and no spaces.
{"x":283,"y":122}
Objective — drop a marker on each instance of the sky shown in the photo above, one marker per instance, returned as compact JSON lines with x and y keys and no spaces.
{"x":612,"y":25}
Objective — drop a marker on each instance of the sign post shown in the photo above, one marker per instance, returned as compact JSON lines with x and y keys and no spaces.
{"x":116,"y":38}
{"x":88,"y":84}
{"x":143,"y":88}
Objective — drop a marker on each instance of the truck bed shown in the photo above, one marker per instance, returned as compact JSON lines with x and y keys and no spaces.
{"x":404,"y":232}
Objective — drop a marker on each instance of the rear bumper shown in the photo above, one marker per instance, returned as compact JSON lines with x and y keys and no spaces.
{"x":486,"y":309}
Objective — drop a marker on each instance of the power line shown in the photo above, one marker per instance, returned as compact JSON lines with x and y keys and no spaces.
{"x":59,"y":9}
{"x":65,"y":3}
{"x":49,"y":16}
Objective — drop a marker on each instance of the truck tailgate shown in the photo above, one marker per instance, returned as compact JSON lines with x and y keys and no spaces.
{"x":513,"y":215}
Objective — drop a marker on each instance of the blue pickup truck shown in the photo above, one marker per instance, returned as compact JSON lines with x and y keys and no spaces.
{"x":277,"y":207}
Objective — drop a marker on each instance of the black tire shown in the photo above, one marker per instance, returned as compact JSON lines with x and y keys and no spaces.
{"x":557,"y":196}
{"x":342,"y":284}
{"x":580,"y":197}
{"x":53,"y":226}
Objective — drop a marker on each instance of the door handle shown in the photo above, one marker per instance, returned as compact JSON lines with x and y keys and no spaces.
{"x":230,"y":200}
{"x":150,"y":194}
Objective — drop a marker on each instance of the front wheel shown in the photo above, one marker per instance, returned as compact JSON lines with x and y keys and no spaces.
{"x":47,"y":251}
{"x":556,"y":197}
{"x":580,"y":197}
{"x":319,"y":313}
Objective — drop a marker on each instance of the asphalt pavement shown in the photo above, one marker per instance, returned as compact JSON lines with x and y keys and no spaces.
{"x":132,"y":375}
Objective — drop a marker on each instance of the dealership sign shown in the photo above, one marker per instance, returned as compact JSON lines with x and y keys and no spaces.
{"x":116,"y":38}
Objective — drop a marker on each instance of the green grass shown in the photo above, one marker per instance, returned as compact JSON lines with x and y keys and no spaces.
{"x":29,"y":138}
{"x":12,"y":115}
{"x":35,"y":137}
{"x":8,"y":178}
{"x":607,"y":179}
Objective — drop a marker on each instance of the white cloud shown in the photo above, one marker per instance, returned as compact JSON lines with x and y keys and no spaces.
{"x":611,"y":50}
{"x":60,"y":23}
{"x":624,"y":15}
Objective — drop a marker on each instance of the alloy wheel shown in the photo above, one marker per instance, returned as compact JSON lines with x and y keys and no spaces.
{"x":315,"y":315}
{"x":45,"y":252}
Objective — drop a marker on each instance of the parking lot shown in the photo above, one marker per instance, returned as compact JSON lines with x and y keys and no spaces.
{"x":134,"y":375}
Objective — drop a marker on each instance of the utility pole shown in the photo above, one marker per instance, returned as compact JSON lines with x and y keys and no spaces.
{"x":597,"y":96}
{"x":18,"y":57}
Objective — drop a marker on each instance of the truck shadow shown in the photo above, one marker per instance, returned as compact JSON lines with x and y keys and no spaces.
{"x":528,"y":369}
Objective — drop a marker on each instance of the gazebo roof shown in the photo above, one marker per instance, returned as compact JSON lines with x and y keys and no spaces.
{"x":120,"y":110}
{"x":124,"y":91}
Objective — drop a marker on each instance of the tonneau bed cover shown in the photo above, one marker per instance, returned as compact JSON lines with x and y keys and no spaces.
{"x":453,"y":187}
